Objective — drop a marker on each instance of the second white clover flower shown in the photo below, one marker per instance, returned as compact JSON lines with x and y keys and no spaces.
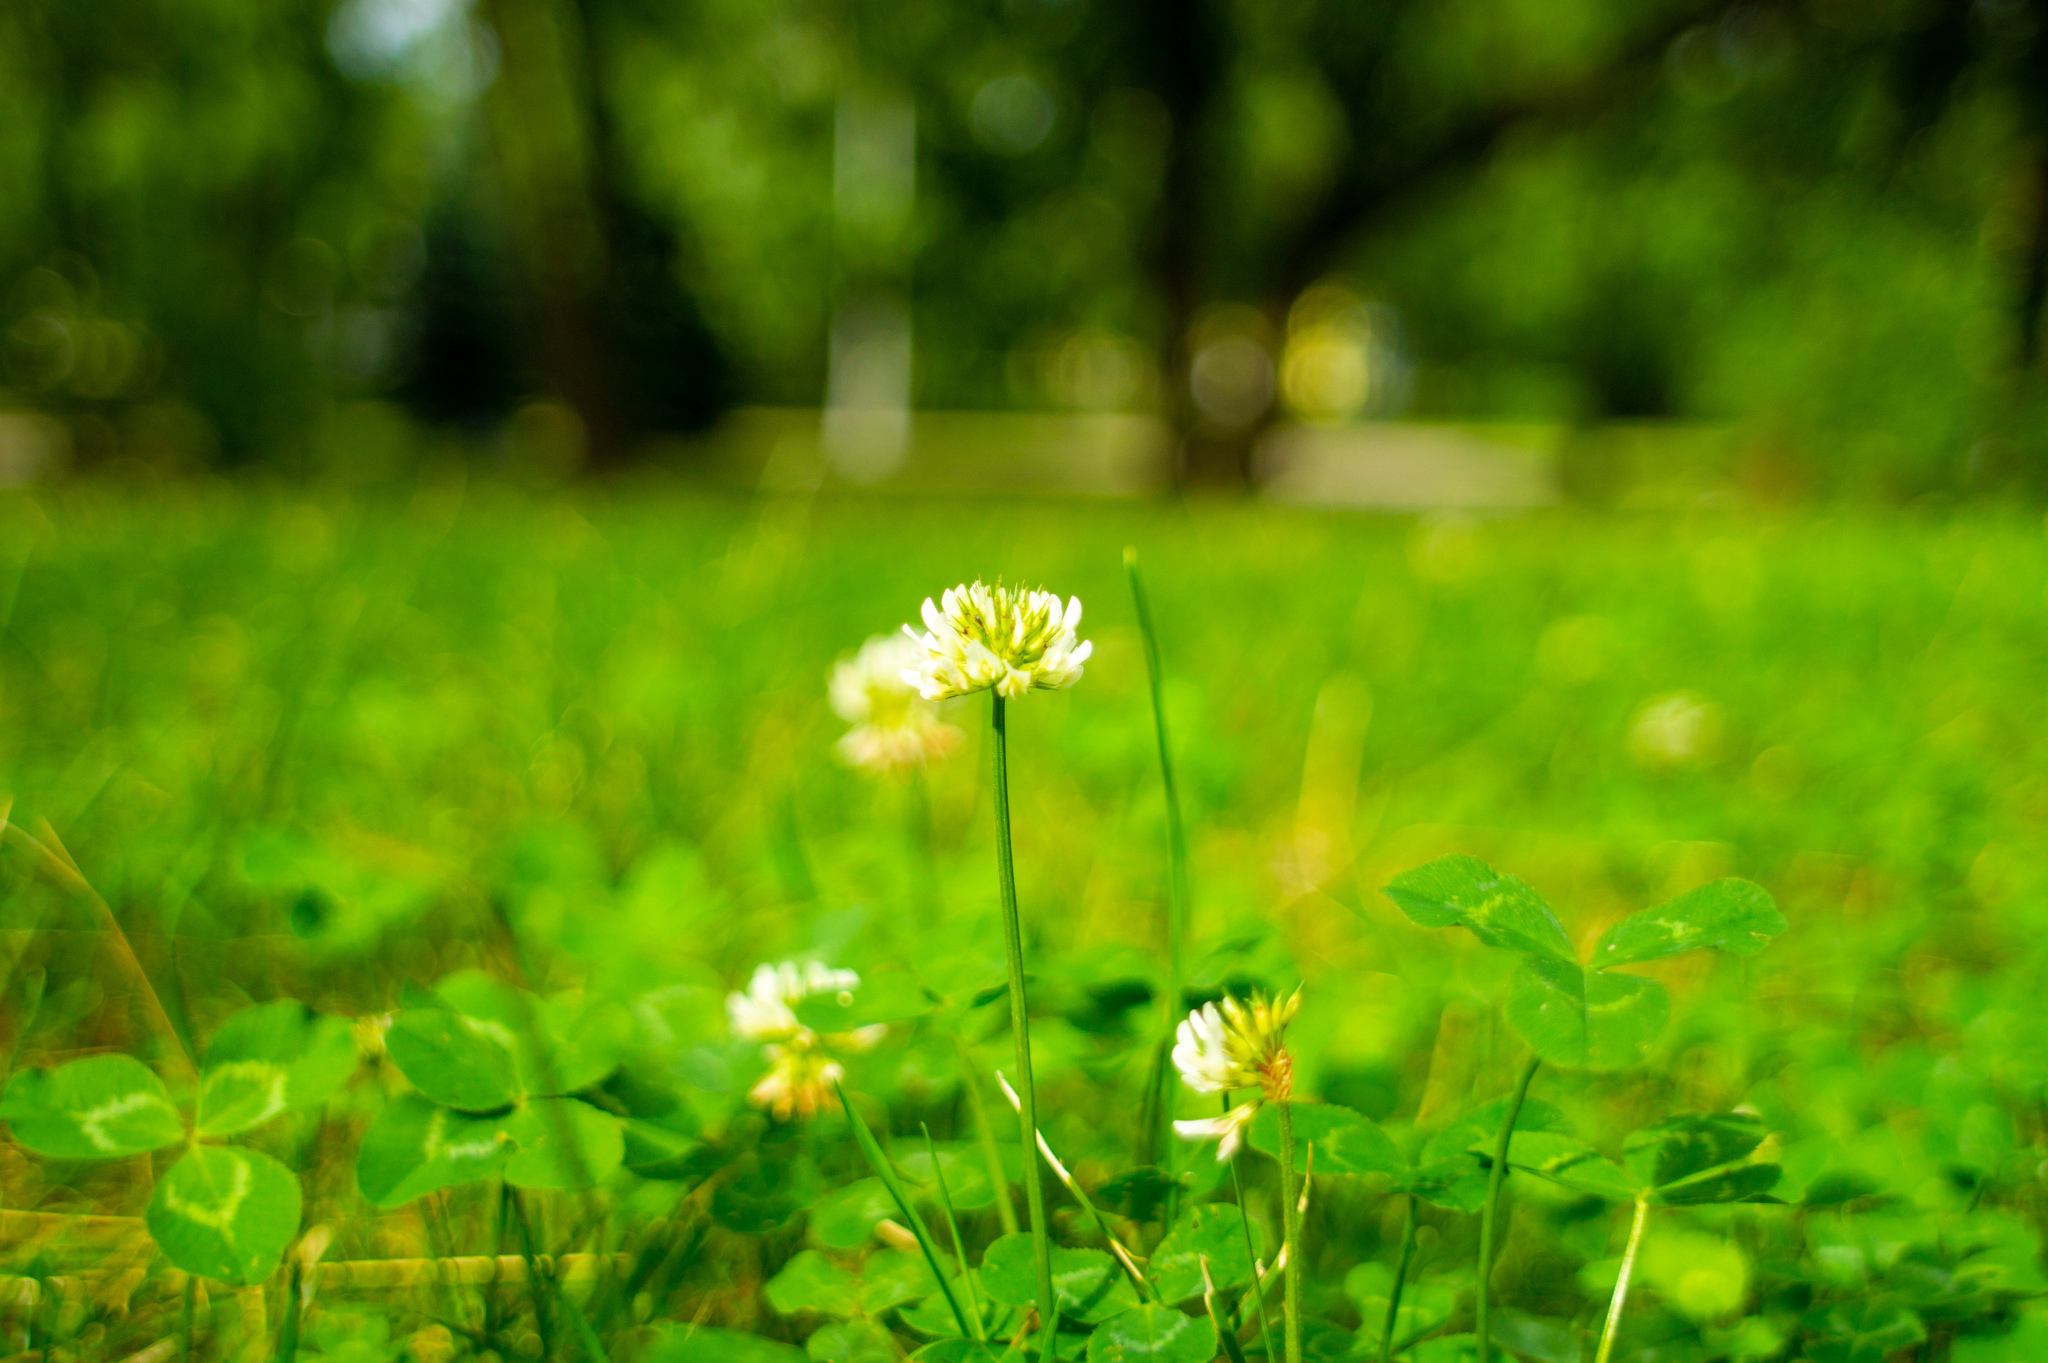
{"x":1220,"y":1048}
{"x":802,"y":1065}
{"x":893,"y":726}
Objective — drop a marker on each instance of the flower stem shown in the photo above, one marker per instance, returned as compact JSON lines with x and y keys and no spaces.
{"x":1400,"y":1280}
{"x":953,"y":1228}
{"x":986,"y":1134}
{"x":1251,"y":1254}
{"x":1020,"y":1027}
{"x":1628,"y":1268}
{"x":1493,"y":1183}
{"x":1176,"y":849}
{"x":1290,"y":1221}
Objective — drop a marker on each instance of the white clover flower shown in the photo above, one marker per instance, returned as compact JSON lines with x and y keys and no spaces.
{"x":802,"y":1066}
{"x":767,"y":1010}
{"x":893,"y":726}
{"x":798,"y":1084}
{"x":996,"y":638}
{"x":1233,"y":1045}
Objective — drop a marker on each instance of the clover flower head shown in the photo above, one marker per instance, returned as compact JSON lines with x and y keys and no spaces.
{"x":1005,"y":639}
{"x":893,"y":726}
{"x":798,"y":1084}
{"x":803,"y":1066}
{"x":1235,"y":1045}
{"x":766,"y":1012}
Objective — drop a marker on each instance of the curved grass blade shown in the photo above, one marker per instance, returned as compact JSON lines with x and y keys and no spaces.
{"x":885,"y":1171}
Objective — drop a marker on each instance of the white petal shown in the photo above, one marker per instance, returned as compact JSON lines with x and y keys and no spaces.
{"x":1204,"y":1129}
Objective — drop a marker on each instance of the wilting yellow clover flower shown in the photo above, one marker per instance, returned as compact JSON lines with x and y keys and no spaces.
{"x":1229,"y":1046}
{"x":893,"y":726}
{"x":999,"y":638}
{"x":802,"y":1065}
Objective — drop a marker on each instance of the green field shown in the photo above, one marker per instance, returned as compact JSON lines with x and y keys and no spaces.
{"x":332,"y":750}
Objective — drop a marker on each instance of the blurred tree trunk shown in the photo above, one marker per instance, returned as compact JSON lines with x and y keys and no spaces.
{"x":1184,"y":69}
{"x":2031,"y":76}
{"x":1386,"y":168}
{"x":610,"y":326}
{"x":541,"y":127}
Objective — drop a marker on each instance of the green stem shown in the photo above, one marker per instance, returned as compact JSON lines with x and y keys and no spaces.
{"x":1493,"y":1184}
{"x":593,"y":1348}
{"x":1628,"y":1268}
{"x":1290,"y":1221}
{"x":1400,"y":1280}
{"x":1006,"y":1211}
{"x":1073,"y":1186}
{"x":1176,"y":848}
{"x":1020,"y":1027}
{"x":288,"y":1332}
{"x":878,"y":1159}
{"x":1251,"y":1253}
{"x":953,"y":1227}
{"x":1226,"y":1330}
{"x":542,"y":1317}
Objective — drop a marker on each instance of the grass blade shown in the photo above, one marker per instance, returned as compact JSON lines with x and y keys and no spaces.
{"x":1159,"y":1126}
{"x":1073,"y":1186}
{"x":885,"y":1171}
{"x":953,"y":1228}
{"x":1232,"y":1350}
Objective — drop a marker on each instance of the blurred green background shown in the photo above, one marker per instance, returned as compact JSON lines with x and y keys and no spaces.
{"x":340,"y":238}
{"x":359,"y":731}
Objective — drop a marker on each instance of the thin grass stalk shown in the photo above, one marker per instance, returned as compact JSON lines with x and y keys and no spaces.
{"x":1251,"y":1251}
{"x":294,"y":1305}
{"x":1006,"y":1212}
{"x":1020,"y":1026}
{"x":593,"y":1348}
{"x":58,"y":859}
{"x":543,"y":1319}
{"x":1155,"y":1113}
{"x":1290,"y":1222}
{"x":953,"y":1227}
{"x":1400,"y":1281}
{"x":1073,"y":1185}
{"x":886,"y":1171}
{"x":1263,"y":1276}
{"x":1495,"y":1178}
{"x":1628,"y":1268}
{"x":1177,"y":856}
{"x":435,"y":1217}
{"x":1226,"y":1335}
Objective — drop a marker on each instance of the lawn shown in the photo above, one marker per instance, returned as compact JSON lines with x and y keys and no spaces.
{"x":341,"y":748}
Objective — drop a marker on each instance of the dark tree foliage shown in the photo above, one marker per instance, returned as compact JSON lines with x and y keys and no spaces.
{"x":1821,"y":220}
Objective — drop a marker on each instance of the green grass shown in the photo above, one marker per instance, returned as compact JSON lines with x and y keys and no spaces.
{"x":326,"y":748}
